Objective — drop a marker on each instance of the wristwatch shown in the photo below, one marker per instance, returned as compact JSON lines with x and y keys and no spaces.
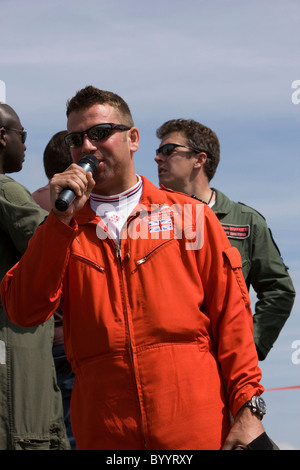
{"x":257,"y":405}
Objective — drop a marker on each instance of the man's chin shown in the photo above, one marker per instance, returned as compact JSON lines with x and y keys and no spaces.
{"x":163,"y":181}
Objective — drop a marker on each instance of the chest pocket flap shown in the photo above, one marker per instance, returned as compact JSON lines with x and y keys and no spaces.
{"x":234,"y":257}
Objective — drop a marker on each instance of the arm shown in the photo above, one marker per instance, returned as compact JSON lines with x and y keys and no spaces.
{"x":19,"y":214}
{"x":228,"y":307}
{"x":274,"y":288}
{"x":32,"y":289}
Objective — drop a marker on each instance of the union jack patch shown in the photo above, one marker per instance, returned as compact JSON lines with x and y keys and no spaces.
{"x":160,"y":225}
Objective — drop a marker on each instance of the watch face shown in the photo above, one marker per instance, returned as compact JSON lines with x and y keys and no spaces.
{"x":261,"y":404}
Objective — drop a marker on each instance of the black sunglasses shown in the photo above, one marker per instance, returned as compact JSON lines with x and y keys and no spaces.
{"x":22,"y":132}
{"x":168,"y":149}
{"x":99,"y":132}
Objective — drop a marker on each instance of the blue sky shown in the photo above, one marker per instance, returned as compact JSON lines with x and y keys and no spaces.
{"x":229,"y":64}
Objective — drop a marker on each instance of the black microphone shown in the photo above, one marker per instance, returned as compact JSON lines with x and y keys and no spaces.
{"x":67,"y":196}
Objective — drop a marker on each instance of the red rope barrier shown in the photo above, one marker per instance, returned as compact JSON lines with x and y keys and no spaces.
{"x":282,"y":388}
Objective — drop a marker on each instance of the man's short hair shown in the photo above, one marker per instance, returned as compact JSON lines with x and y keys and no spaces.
{"x":198,"y":136}
{"x":57,"y":155}
{"x":89,"y":96}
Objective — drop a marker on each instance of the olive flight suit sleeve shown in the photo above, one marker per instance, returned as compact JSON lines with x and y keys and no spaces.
{"x":19,"y":213}
{"x":273,"y":286}
{"x":31,"y":416}
{"x":263,"y":269}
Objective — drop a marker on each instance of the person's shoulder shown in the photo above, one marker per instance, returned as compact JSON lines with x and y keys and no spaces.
{"x":251,"y":210}
{"x":42,"y":190}
{"x":240,"y":206}
{"x":162,"y":194}
{"x":13,"y":192}
{"x":5,"y":179}
{"x":181,"y":198}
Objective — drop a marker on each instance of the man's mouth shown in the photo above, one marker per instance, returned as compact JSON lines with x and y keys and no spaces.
{"x":161,"y":170}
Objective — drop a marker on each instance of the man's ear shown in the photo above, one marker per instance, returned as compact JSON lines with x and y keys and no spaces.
{"x":200,"y":159}
{"x":134,"y":136}
{"x":2,"y":138}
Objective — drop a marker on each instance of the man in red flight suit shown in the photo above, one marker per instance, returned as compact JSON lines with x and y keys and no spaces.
{"x":158,"y":329}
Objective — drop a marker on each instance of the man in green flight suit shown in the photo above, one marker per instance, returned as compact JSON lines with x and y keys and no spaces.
{"x":31,"y":412}
{"x":187,"y":160}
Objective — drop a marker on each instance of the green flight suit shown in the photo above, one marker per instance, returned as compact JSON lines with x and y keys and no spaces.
{"x":262,"y":266}
{"x":31,"y":411}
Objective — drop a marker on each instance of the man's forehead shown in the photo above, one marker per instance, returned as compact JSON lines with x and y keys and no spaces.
{"x":8,"y":116}
{"x":95,"y":114}
{"x":178,"y":136}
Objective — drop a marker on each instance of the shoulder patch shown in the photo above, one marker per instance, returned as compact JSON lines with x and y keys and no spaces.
{"x":276,"y":246}
{"x":236,"y":231}
{"x":15,"y":194}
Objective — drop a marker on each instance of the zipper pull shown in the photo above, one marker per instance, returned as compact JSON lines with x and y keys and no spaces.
{"x":119,"y":251}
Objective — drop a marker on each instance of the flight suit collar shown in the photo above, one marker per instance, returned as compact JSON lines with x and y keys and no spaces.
{"x":222,"y":204}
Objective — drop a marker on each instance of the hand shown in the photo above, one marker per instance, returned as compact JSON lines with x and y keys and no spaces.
{"x":79,"y":181}
{"x":245,"y":429}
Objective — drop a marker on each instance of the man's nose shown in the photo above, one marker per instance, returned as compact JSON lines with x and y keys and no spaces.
{"x":88,"y":144}
{"x":158,"y":158}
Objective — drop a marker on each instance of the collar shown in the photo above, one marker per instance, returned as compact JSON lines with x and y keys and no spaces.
{"x":222,"y":204}
{"x":150,"y":195}
{"x":118,"y":197}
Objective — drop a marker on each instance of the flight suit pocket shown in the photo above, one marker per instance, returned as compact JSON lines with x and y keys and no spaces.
{"x":234,"y":258}
{"x":32,"y":444}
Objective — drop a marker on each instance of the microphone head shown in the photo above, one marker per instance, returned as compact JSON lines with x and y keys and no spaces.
{"x":65,"y":198}
{"x":89,"y":159}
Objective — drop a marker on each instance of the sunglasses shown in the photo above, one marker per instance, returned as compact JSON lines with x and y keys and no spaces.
{"x":168,"y":149}
{"x":22,"y":132}
{"x":99,"y":132}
